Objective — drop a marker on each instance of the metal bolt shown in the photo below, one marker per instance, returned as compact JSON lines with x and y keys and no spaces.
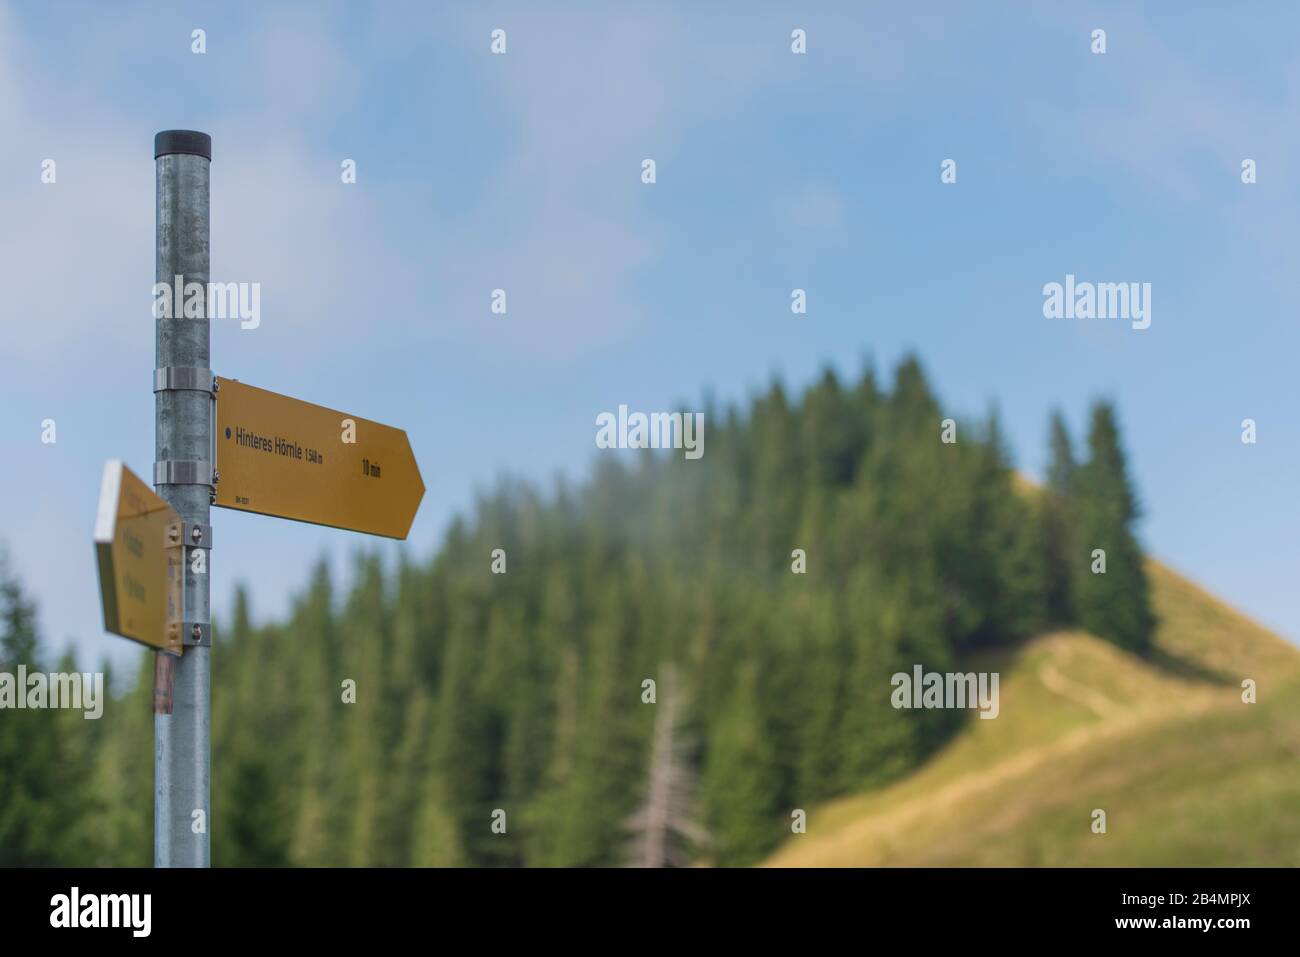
{"x":197,"y":633}
{"x":196,"y":534}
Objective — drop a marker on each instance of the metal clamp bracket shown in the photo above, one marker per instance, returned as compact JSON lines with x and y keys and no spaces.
{"x":184,"y":379}
{"x":183,"y":472}
{"x":189,"y":534}
{"x":197,"y":536}
{"x":196,"y":634}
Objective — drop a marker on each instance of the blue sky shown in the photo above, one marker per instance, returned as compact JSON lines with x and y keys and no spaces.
{"x":775,"y":171}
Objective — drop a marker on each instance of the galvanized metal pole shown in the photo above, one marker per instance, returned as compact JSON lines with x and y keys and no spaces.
{"x":183,"y":475}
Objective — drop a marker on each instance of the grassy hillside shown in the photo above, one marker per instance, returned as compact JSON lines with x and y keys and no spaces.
{"x":1187,"y":773}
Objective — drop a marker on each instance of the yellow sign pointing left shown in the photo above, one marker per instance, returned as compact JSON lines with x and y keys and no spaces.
{"x":139,"y":552}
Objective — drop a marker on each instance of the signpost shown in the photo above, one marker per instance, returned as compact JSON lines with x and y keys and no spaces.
{"x":182,"y":474}
{"x":138,"y":549}
{"x":285,"y":457}
{"x":220,"y":442}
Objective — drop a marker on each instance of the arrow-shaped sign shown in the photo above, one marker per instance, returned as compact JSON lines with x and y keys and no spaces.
{"x":284,"y":457}
{"x":139,"y":551}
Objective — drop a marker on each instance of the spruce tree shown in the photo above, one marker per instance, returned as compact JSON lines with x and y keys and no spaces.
{"x":740,"y":782}
{"x":43,"y":775}
{"x":1116,"y":603}
{"x":1008,"y":545}
{"x":1056,"y":507}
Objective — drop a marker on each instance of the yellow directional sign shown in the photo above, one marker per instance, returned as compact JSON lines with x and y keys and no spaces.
{"x":139,"y":551}
{"x":280,"y":456}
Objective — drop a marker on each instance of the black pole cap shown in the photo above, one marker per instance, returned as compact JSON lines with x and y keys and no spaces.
{"x":182,"y":141}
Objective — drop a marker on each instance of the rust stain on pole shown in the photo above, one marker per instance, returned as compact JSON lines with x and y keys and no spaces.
{"x":164,"y":679}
